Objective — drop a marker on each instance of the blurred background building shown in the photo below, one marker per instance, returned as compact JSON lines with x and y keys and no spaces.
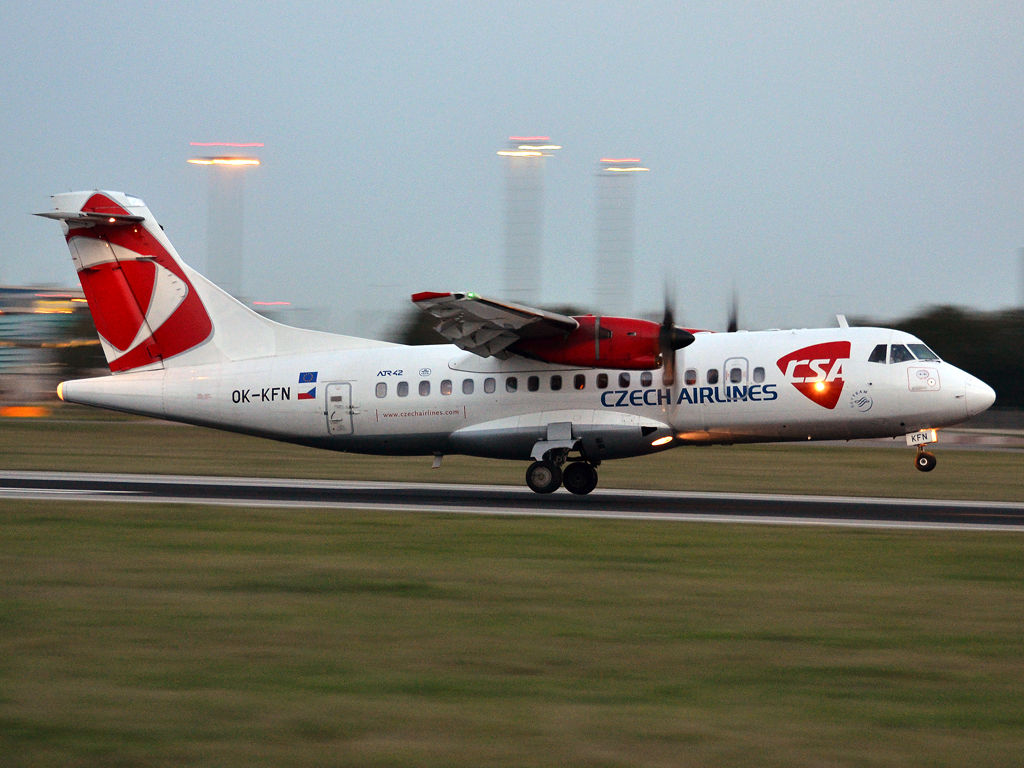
{"x":524,"y":215}
{"x":225,"y":237}
{"x":615,"y":207}
{"x":46,"y":335}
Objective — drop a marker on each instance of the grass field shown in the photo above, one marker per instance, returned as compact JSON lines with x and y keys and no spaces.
{"x":175,"y":636}
{"x":170,"y":635}
{"x":86,"y":443}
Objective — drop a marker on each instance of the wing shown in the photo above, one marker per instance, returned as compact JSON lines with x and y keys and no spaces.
{"x":487,"y":327}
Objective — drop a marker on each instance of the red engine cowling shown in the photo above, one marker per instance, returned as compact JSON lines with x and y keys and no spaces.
{"x":599,"y":342}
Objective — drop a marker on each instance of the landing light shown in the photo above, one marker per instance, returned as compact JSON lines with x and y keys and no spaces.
{"x":662,"y":440}
{"x":820,"y":386}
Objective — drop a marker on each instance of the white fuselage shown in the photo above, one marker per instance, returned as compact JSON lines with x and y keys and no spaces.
{"x":729,"y":388}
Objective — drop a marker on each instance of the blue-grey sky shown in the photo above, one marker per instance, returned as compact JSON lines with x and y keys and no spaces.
{"x":864,"y":158}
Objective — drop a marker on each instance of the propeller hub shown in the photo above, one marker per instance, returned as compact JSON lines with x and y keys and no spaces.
{"x":678,"y":338}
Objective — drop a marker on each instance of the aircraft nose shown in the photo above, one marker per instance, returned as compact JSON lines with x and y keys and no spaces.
{"x":979,"y":396}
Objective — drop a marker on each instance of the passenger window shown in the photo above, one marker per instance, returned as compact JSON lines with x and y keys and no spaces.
{"x":424,"y":388}
{"x":690,"y":377}
{"x":736,"y":375}
{"x":713,"y":376}
{"x":556,"y":383}
{"x":922,"y":352}
{"x":489,"y":385}
{"x":602,"y":381}
{"x":467,"y":386}
{"x":623,"y":379}
{"x":446,"y":387}
{"x":758,"y":375}
{"x":403,"y":389}
{"x":646,"y":379}
{"x":878,"y":354}
{"x":511,"y":384}
{"x":533,"y":383}
{"x":899,"y":354}
{"x":579,"y":381}
{"x":382,"y":389}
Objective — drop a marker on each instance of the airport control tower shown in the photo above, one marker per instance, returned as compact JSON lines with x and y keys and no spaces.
{"x":615,"y":206}
{"x":524,"y":215}
{"x":226,"y":210}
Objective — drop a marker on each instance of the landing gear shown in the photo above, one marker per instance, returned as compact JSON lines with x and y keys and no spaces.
{"x":925,"y":461}
{"x":543,"y":477}
{"x":580,"y":478}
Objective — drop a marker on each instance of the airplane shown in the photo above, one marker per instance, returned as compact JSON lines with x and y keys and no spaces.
{"x":519,"y":383}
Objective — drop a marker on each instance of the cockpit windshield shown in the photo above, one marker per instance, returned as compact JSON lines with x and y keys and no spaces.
{"x":899,"y":354}
{"x":921,"y":352}
{"x":878,"y":354}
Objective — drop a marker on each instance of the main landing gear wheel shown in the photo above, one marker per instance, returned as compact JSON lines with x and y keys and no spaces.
{"x":543,"y":477}
{"x":580,"y":478}
{"x":925,"y":461}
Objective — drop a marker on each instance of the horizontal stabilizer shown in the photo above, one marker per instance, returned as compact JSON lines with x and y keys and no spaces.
{"x":91,"y":218}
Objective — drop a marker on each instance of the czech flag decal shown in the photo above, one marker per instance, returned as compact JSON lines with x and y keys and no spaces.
{"x":308,"y":377}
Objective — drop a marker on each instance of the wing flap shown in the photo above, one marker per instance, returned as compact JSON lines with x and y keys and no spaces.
{"x":487,"y":327}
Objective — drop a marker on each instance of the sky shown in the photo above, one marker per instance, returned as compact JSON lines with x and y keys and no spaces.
{"x":817,"y":158}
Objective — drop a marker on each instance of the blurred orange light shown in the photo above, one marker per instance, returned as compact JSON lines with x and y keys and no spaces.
{"x":519,"y":153}
{"x":662,"y":440}
{"x":529,"y":138}
{"x":820,"y":386}
{"x":224,"y":144}
{"x":224,"y":161}
{"x":272,"y":303}
{"x":620,"y":159}
{"x":25,"y":411}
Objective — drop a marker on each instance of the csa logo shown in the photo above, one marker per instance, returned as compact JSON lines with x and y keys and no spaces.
{"x":817,"y":371}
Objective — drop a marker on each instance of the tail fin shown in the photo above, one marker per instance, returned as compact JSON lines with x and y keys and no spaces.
{"x":151,"y":310}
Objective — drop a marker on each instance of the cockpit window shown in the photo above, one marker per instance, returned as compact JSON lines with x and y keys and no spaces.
{"x":922,"y":352}
{"x":899,"y":354}
{"x":878,"y":354}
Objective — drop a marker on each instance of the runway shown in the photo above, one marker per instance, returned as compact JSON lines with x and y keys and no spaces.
{"x":679,"y":506}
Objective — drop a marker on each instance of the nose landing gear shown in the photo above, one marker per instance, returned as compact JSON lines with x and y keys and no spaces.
{"x":925,"y":461}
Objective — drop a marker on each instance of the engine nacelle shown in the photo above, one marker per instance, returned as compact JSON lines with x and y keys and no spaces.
{"x":599,"y":342}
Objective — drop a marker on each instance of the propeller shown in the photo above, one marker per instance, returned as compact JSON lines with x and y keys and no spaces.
{"x":670,"y":338}
{"x":734,"y":313}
